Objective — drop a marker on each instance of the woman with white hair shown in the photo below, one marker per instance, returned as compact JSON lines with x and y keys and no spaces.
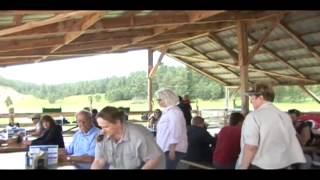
{"x":171,"y":128}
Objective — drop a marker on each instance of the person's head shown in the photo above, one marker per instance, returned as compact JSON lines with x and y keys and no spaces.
{"x":94,"y":112}
{"x":35,"y":118}
{"x":166,"y":97}
{"x":86,"y":108}
{"x":259,"y":94}
{"x":186,"y":97}
{"x":84,"y":120}
{"x":47,"y":122}
{"x":110,"y":119}
{"x":294,"y":114}
{"x":157,"y":113}
{"x":198,"y":121}
{"x":235,"y":119}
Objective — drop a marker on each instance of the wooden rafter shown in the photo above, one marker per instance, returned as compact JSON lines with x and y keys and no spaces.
{"x":263,"y":39}
{"x":250,"y":68}
{"x":138,"y":22}
{"x":193,"y":17}
{"x":205,"y":56}
{"x":280,"y":59}
{"x":310,"y":93}
{"x":287,"y":29}
{"x":201,"y":71}
{"x":155,"y":68}
{"x":87,"y":22}
{"x":31,"y":25}
{"x":215,"y":39}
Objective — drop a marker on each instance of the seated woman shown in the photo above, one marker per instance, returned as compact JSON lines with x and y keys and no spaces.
{"x":153,"y":120}
{"x":52,"y":134}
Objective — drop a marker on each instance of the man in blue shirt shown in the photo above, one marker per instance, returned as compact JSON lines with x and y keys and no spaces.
{"x":82,"y":147}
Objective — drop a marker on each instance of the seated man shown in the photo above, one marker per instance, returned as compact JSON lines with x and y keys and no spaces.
{"x":199,"y":142}
{"x":227,"y":148}
{"x":38,"y":131}
{"x":82,"y":148}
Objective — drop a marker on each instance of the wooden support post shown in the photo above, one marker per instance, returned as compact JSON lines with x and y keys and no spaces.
{"x":243,"y":62}
{"x":310,"y":93}
{"x":226,"y":91}
{"x":150,"y":66}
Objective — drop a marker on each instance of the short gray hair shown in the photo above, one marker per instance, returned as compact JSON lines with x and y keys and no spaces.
{"x":168,"y":96}
{"x":86,"y":113}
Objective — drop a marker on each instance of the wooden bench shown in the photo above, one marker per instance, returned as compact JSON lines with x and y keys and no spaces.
{"x":196,"y":165}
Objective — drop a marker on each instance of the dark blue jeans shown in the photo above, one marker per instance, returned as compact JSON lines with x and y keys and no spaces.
{"x":172,"y":164}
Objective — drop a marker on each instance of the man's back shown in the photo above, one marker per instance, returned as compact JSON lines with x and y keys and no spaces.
{"x":199,"y":141}
{"x":273,"y":132}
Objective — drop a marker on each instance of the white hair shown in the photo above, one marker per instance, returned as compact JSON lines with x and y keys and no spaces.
{"x":167,"y":96}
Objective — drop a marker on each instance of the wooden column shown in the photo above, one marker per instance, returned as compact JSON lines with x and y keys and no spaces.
{"x":243,"y":63}
{"x":226,"y":96}
{"x":150,"y":66}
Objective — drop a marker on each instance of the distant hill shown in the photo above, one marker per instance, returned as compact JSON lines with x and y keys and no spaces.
{"x":8,"y":91}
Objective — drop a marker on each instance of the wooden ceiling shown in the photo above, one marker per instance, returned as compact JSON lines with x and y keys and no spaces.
{"x":39,"y":36}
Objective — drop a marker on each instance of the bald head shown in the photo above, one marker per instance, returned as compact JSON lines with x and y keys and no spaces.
{"x":198,"y":121}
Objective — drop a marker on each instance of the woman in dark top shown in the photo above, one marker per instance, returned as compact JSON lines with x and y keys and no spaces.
{"x":52,"y":134}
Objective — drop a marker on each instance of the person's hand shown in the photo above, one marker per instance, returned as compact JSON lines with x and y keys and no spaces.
{"x":62,"y":157}
{"x":26,"y":142}
{"x":172,"y":155}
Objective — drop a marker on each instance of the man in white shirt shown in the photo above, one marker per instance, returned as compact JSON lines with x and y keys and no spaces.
{"x":268,"y":138}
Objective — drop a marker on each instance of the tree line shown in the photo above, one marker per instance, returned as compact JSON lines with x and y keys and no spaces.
{"x":134,"y":86}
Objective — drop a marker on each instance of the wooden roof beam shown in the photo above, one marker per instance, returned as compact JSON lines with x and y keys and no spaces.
{"x":87,"y":22}
{"x":204,"y":56}
{"x":250,"y":68}
{"x":34,"y":24}
{"x":280,"y":59}
{"x":214,"y":38}
{"x":264,"y":38}
{"x":310,"y":93}
{"x":201,"y":71}
{"x":193,"y":17}
{"x":155,"y":68}
{"x":287,"y":29}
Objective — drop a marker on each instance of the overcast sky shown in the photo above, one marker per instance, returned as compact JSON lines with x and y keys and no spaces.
{"x":85,"y":68}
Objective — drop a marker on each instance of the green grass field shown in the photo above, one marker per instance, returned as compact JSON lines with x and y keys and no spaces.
{"x":74,"y":103}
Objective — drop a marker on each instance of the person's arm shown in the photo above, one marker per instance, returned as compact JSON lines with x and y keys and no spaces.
{"x":152,"y":163}
{"x":248,"y":155}
{"x":48,"y":137}
{"x":172,"y":151}
{"x":251,"y":136}
{"x":98,"y":164}
{"x":305,"y":135}
{"x":80,"y":159}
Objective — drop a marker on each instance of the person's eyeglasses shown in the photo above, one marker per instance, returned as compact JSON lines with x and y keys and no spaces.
{"x":158,"y":100}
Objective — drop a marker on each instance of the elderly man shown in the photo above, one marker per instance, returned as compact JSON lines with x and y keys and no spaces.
{"x":36,"y":121}
{"x":268,"y":138}
{"x":124,"y":145}
{"x":82,"y":148}
{"x":199,"y":142}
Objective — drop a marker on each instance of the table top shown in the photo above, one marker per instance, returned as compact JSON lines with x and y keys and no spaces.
{"x":6,"y":148}
{"x":16,"y":160}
